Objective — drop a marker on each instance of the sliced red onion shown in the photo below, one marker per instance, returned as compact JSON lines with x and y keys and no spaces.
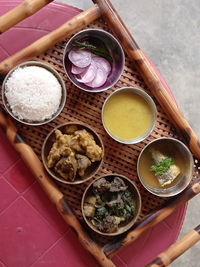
{"x":102,"y":63}
{"x":80,"y":58}
{"x":77,"y":70}
{"x":89,"y":74}
{"x":99,"y":79}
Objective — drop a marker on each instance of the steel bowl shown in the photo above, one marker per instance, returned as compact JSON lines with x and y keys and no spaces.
{"x":170,"y":146}
{"x":114,"y":48}
{"x":149,"y":102}
{"x":58,"y":77}
{"x":132,"y":187}
{"x":50,"y":139}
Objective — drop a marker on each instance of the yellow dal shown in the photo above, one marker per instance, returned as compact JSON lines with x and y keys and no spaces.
{"x":127,"y":115}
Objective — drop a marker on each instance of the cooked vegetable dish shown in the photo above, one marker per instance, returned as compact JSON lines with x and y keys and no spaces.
{"x":73,"y":152}
{"x":110,"y":205}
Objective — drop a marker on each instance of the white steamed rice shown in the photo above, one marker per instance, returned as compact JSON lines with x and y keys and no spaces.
{"x":33,"y":93}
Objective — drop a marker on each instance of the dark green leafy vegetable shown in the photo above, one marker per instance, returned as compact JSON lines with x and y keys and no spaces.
{"x":128,"y":208}
{"x":94,"y":49}
{"x":101,"y":213}
{"x":117,"y":209}
{"x":122,"y":210}
{"x":127,"y":196}
{"x":162,"y":166}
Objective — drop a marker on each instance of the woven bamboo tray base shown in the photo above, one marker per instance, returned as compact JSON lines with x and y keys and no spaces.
{"x":86,"y":107}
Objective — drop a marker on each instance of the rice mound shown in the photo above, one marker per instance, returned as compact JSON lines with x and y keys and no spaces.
{"x":33,"y":93}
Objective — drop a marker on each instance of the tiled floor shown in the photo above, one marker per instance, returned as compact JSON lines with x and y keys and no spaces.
{"x":29,"y":214}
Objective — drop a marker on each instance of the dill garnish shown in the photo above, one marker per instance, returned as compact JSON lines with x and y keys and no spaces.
{"x":162,"y":166}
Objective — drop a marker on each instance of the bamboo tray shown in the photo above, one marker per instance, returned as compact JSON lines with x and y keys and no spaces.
{"x":86,"y":107}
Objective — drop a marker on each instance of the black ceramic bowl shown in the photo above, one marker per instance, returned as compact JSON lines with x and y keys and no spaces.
{"x":112,"y":46}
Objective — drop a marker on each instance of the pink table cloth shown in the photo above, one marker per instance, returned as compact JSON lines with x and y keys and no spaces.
{"x":32,"y":233}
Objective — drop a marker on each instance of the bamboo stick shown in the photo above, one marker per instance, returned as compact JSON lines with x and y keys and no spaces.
{"x":177,"y":249}
{"x":57,"y":198}
{"x":24,"y":10}
{"x":157,"y":87}
{"x":41,"y":45}
{"x":153,"y":219}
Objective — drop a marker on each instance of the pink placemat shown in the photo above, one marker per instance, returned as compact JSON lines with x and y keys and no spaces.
{"x":32,"y":233}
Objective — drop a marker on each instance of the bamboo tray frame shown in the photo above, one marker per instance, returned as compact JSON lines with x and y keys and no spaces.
{"x":139,"y":73}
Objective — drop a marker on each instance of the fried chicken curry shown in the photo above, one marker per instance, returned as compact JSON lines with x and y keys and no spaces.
{"x":73,"y":152}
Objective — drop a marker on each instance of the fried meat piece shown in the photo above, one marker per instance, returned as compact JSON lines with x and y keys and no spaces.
{"x":101,"y":185}
{"x":117,"y":185}
{"x":87,"y":142}
{"x":60,"y":148}
{"x":83,"y":163}
{"x":67,"y":168}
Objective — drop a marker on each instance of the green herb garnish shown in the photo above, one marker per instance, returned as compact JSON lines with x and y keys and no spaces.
{"x":162,"y":166}
{"x":97,"y":51}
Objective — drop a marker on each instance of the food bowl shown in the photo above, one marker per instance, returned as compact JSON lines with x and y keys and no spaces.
{"x":49,"y":69}
{"x":165,"y":167}
{"x":77,"y":148}
{"x":92,"y":207}
{"x":110,"y":44}
{"x":129,"y":115}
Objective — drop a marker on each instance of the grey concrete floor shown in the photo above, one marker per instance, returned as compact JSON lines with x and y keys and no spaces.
{"x":168,"y":32}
